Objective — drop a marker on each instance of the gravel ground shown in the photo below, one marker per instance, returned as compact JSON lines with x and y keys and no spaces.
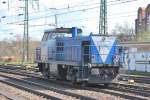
{"x":18,"y":92}
{"x":97,"y":95}
{"x":3,"y":97}
{"x":93,"y":94}
{"x":29,"y":96}
{"x":52,"y":93}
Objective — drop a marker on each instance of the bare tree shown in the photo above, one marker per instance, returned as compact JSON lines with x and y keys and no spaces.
{"x":124,"y":32}
{"x":12,"y":48}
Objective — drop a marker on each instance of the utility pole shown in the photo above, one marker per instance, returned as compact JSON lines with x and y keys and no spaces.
{"x":103,"y":17}
{"x":26,"y":34}
{"x":56,"y":20}
{"x":56,"y":23}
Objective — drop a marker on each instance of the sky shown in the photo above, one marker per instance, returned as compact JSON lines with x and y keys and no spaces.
{"x":80,"y":13}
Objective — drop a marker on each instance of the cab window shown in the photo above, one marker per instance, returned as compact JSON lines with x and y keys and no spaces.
{"x":45,"y":37}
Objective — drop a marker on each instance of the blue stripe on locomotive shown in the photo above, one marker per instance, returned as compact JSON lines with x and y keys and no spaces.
{"x":95,"y":50}
{"x":112,"y":52}
{"x":95,"y":53}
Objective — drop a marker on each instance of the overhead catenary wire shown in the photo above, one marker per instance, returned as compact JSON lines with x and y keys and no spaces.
{"x":68,"y":21}
{"x":110,"y":16}
{"x":93,"y":4}
{"x":68,"y":12}
{"x":83,"y":19}
{"x":82,"y":5}
{"x":95,"y":17}
{"x":43,"y":11}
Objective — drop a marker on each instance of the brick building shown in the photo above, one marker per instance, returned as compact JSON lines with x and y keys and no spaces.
{"x":142,"y":23}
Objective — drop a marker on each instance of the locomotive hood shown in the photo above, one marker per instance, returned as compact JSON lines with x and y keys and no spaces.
{"x":103,"y":49}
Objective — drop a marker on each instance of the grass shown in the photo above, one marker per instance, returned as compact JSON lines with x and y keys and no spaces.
{"x":18,"y":63}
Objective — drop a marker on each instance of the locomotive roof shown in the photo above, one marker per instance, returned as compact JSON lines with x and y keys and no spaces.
{"x":62,"y":30}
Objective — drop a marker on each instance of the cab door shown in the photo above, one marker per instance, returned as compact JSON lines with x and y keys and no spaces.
{"x":86,"y":51}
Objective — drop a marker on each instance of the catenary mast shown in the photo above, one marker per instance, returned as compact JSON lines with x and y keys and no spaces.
{"x":103,"y":17}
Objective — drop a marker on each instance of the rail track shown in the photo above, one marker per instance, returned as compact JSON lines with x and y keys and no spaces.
{"x":138,"y":79}
{"x":123,"y":77}
{"x":19,"y":66}
{"x":122,"y":90}
{"x":119,"y":93}
{"x":139,"y":90}
{"x":32,"y":87}
{"x":30,"y":90}
{"x":5,"y":96}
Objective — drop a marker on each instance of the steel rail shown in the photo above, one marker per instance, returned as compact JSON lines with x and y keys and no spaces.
{"x":137,"y":79}
{"x":123,"y":95}
{"x":51,"y":89}
{"x":29,"y":90}
{"x":7,"y":97}
{"x":126,"y":96}
{"x":15,"y":66}
{"x":130,"y":89}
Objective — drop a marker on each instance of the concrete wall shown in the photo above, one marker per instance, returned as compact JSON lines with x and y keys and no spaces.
{"x":137,"y":60}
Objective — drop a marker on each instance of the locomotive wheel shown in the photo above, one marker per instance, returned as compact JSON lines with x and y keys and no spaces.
{"x":45,"y":75}
{"x":74,"y":80}
{"x":106,"y":84}
{"x":84,"y":84}
{"x":62,"y":72}
{"x":45,"y":72}
{"x":74,"y":77}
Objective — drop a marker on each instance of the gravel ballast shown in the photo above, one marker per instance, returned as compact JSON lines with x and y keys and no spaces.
{"x":18,"y":93}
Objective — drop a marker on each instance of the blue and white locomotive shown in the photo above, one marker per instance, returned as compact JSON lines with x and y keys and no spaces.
{"x":65,"y":54}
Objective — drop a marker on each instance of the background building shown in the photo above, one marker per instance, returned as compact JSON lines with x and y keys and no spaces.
{"x":142,"y":23}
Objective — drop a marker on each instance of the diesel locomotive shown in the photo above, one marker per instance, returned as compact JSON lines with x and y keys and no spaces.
{"x":64,"y":53}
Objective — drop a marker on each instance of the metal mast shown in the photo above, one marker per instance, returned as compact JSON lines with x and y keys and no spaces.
{"x":103,"y":17}
{"x":26,"y":36}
